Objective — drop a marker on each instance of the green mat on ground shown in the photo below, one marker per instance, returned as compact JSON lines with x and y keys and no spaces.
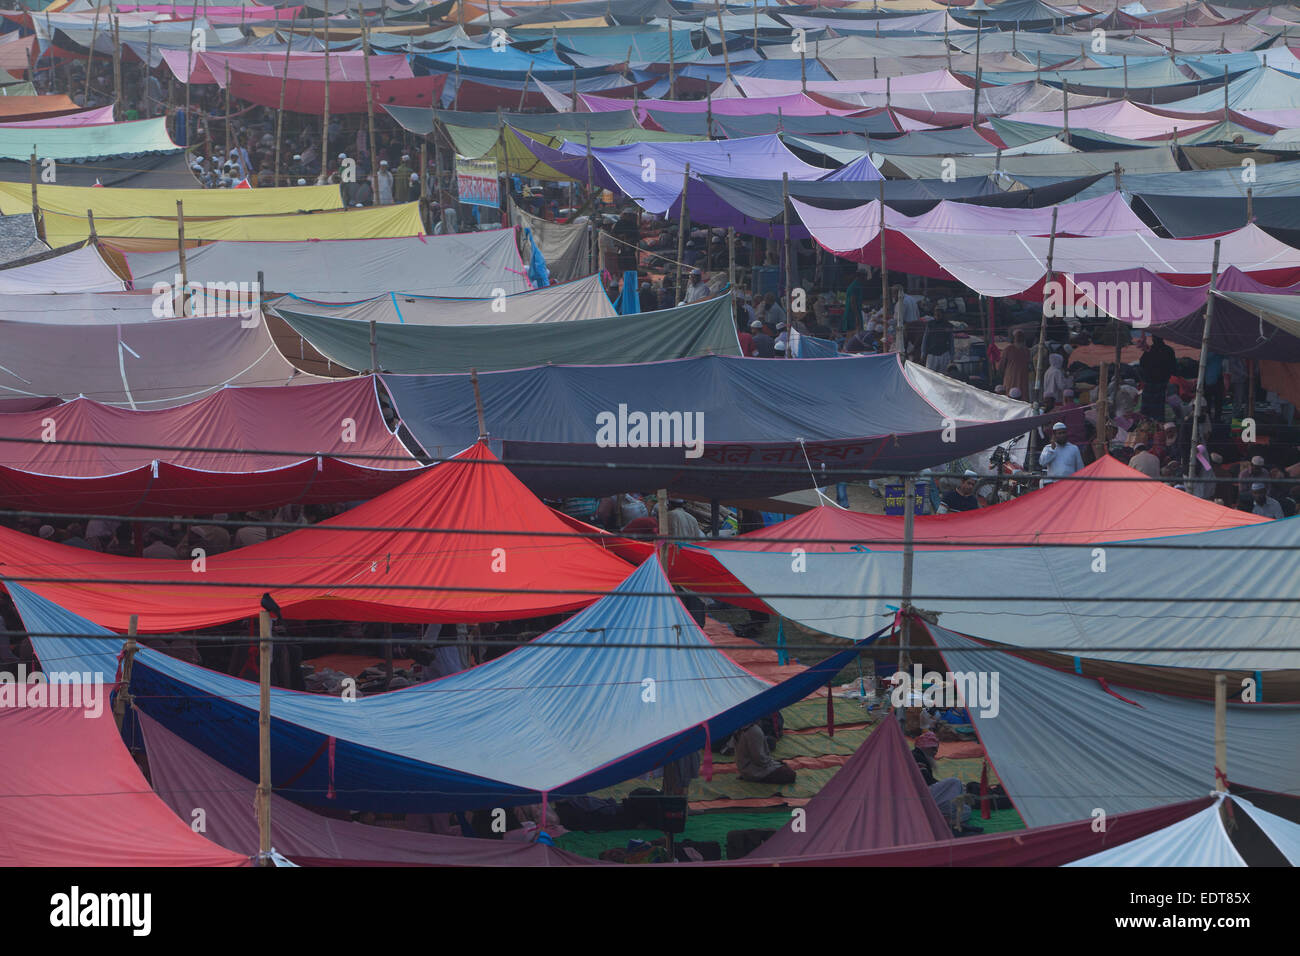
{"x":703,"y":827}
{"x":812,"y":713}
{"x":715,"y":825}
{"x":845,"y":742}
{"x":729,"y":786}
{"x":999,"y":821}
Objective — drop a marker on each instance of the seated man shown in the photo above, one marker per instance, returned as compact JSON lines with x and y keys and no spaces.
{"x":755,"y":761}
{"x":962,"y":498}
{"x":948,"y":793}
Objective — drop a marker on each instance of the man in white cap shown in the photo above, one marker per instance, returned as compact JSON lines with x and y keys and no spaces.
{"x":1264,"y":503}
{"x":1144,"y":461}
{"x":696,"y":289}
{"x":385,"y":183}
{"x":1060,"y":458}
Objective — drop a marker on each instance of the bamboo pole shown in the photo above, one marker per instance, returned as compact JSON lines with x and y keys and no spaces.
{"x":370,"y":111}
{"x":264,"y":739}
{"x":722,"y":31}
{"x":325,"y":114}
{"x":884,"y":280}
{"x":523,"y":93}
{"x":226,"y":124}
{"x":123,"y":698}
{"x":189,"y":69}
{"x":180,"y":250}
{"x":672,"y":65}
{"x":1040,"y":352}
{"x":118,"y":107}
{"x":37,"y":222}
{"x":789,"y":251}
{"x":90,"y":59}
{"x":905,"y":605}
{"x":1220,"y":733}
{"x":683,"y":229}
{"x":279,"y":113}
{"x":731,"y":258}
{"x":1200,"y":368}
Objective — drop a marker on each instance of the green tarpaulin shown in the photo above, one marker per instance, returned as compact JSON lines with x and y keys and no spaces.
{"x":705,"y":328}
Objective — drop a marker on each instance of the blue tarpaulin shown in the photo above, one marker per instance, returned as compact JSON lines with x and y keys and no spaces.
{"x":562,"y":719}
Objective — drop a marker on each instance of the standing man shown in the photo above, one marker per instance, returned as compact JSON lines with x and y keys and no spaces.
{"x":1156,"y":367}
{"x":1060,"y":458}
{"x":402,"y":181}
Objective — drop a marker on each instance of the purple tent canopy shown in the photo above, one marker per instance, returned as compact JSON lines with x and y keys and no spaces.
{"x":651,"y":173}
{"x":1176,"y":311}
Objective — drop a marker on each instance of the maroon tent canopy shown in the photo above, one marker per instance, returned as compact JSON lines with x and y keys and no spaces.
{"x":877,"y":799}
{"x":185,"y":778}
{"x":338,"y":425}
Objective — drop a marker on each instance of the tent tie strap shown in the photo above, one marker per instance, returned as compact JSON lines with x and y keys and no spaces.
{"x":1107,"y":688}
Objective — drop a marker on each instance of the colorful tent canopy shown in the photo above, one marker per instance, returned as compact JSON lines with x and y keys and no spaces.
{"x":1009,"y":265}
{"x":1200,"y":840}
{"x":149,"y":233}
{"x":652,"y":174}
{"x":185,"y":778}
{"x":74,"y":797}
{"x":878,"y":799}
{"x":86,"y":142}
{"x":565,"y":718}
{"x":1063,"y":744}
{"x":1055,"y":845}
{"x":1065,"y":512}
{"x":142,"y":365}
{"x":124,"y":203}
{"x":339,"y":421}
{"x":80,"y":269}
{"x":837,"y":416}
{"x":472,"y":265}
{"x":566,"y":302}
{"x":1054,"y":596}
{"x":703,"y":328}
{"x":307,"y":94}
{"x":21,"y":109}
{"x":430,"y":557}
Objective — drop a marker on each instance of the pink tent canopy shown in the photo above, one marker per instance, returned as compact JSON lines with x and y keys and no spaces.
{"x":933,"y":81}
{"x":96,"y":117}
{"x":305,"y":91}
{"x":796,"y":104}
{"x":339,"y":421}
{"x":1013,"y":264}
{"x":73,"y":796}
{"x":189,"y":67}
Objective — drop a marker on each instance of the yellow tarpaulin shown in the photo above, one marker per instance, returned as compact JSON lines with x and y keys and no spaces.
{"x":144,"y":232}
{"x":111,"y":202}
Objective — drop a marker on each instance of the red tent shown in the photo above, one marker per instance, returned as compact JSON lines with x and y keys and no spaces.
{"x":340,"y":422}
{"x":73,"y":796}
{"x":464,"y":541}
{"x":1064,"y":512}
